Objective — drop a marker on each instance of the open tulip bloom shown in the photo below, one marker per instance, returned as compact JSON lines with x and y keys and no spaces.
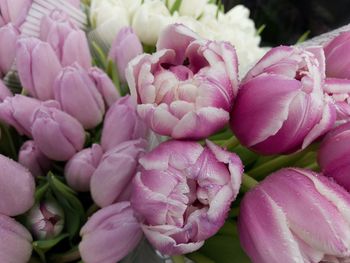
{"x":159,"y":132}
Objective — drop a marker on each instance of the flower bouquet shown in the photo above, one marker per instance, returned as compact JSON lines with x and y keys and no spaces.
{"x":160,"y":131}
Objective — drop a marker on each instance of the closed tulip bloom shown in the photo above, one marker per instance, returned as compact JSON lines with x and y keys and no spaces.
{"x":115,"y":172}
{"x":8,"y":48}
{"x":110,"y":234}
{"x":14,"y":11}
{"x":17,"y":188}
{"x":17,"y":111}
{"x":37,"y":66}
{"x":68,"y":41}
{"x":16,"y":245}
{"x":281,"y":106}
{"x":104,"y":85}
{"x":338,"y":57}
{"x":4,"y":92}
{"x":183,"y":193}
{"x":81,"y":166}
{"x":78,"y":96}
{"x":334,"y":155}
{"x":57,"y":134}
{"x":122,"y":124}
{"x":186,"y":89}
{"x":46,"y":220}
{"x":125,"y":47}
{"x":274,"y":227}
{"x":32,"y":158}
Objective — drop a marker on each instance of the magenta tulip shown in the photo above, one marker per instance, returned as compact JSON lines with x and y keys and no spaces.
{"x":78,"y":96}
{"x":9,"y":34}
{"x":281,"y":107}
{"x":81,"y":166}
{"x":186,"y":89}
{"x":17,"y":188}
{"x":122,"y":124}
{"x":104,"y":85}
{"x":16,"y":241}
{"x":334,"y":155}
{"x":33,"y":159}
{"x":110,"y":181}
{"x":14,"y":11}
{"x":37,"y":66}
{"x":295,"y":215}
{"x":110,"y":234}
{"x":183,"y":194}
{"x":57,"y":134}
{"x":68,"y":41}
{"x":125,"y":47}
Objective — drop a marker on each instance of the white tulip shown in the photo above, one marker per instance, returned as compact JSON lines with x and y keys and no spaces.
{"x":149,"y":20}
{"x":192,"y":8}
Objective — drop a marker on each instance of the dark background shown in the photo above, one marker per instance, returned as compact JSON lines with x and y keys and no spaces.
{"x":287,"y":20}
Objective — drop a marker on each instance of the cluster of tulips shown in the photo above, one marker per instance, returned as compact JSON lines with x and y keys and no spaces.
{"x":89,"y":171}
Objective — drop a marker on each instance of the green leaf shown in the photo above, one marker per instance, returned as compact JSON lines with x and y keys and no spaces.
{"x":113,"y":74}
{"x":46,"y":245}
{"x":72,"y":207}
{"x":176,"y":6}
{"x":260,"y":30}
{"x":101,"y":59}
{"x":41,"y":191}
{"x":303,"y":37}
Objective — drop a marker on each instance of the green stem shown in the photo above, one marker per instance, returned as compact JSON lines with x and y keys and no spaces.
{"x":178,"y":259}
{"x":229,"y":143}
{"x":70,"y":256}
{"x":197,"y":257}
{"x":248,"y":183}
{"x":9,"y":140}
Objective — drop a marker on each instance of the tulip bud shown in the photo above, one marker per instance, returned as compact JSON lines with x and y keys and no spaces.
{"x":334,"y":155}
{"x":78,"y":96}
{"x":281,"y":106}
{"x":187,"y":88}
{"x":8,"y":47}
{"x":16,"y":241}
{"x":4,"y":92}
{"x":57,"y":134}
{"x":32,"y":158}
{"x":110,"y":234}
{"x":183,"y":193}
{"x":46,"y":220}
{"x":274,"y":227}
{"x":17,"y":188}
{"x":81,"y":166}
{"x":17,"y":111}
{"x":115,"y":172}
{"x":122,"y":124}
{"x":14,"y":11}
{"x":37,"y":66}
{"x":337,"y":56}
{"x":68,"y":41}
{"x":104,"y":85}
{"x":125,"y":47}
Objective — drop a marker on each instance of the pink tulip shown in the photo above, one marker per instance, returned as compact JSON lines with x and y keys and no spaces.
{"x":183,"y":194}
{"x":125,"y":47}
{"x":110,"y":234}
{"x":338,"y":57}
{"x":46,"y":220}
{"x":81,"y":166}
{"x":17,"y":111}
{"x":68,"y":41}
{"x":104,"y":85}
{"x":334,"y":155}
{"x":281,"y":107}
{"x":37,"y":66}
{"x":78,"y":96}
{"x":58,"y":135}
{"x":186,"y":89}
{"x":9,"y":34}
{"x":295,"y":215}
{"x":122,"y":124}
{"x":17,"y":188}
{"x":14,"y":11}
{"x":16,"y":241}
{"x":110,"y":181}
{"x":33,"y":159}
